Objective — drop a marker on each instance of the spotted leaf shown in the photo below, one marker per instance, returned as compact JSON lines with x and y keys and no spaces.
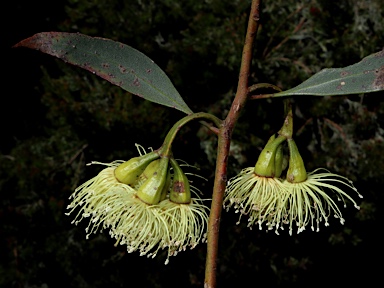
{"x":115,"y":62}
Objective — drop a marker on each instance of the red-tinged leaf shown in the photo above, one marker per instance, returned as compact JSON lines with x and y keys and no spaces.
{"x":115,"y":62}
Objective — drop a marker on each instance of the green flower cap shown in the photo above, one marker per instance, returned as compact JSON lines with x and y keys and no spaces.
{"x":296,"y":170}
{"x":180,"y":191}
{"x":267,"y":164}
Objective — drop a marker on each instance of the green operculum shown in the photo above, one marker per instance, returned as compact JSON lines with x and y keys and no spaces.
{"x":296,"y":170}
{"x":129,"y":171}
{"x":180,"y":191}
{"x":150,"y":185}
{"x":270,"y":159}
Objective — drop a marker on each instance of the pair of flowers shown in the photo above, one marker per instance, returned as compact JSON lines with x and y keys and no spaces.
{"x":298,"y":200}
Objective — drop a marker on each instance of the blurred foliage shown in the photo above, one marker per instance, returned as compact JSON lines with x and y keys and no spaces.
{"x":64,"y":117}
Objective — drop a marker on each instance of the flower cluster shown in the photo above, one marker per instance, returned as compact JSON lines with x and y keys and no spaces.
{"x":145,"y":203}
{"x":300,"y":199}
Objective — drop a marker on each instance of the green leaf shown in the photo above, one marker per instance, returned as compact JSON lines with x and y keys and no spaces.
{"x":115,"y":62}
{"x":362,"y":77}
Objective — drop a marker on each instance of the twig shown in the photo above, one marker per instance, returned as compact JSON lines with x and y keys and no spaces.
{"x":266,"y":52}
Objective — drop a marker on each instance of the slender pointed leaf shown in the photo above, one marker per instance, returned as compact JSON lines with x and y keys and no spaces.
{"x":117,"y":63}
{"x":362,"y":77}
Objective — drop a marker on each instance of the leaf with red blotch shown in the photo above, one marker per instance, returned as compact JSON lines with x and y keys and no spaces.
{"x":113,"y":61}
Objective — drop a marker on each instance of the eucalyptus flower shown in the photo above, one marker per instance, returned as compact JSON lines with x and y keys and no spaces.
{"x":187,"y":224}
{"x":308,"y":198}
{"x":144,"y":204}
{"x":299,"y":200}
{"x":111,"y":204}
{"x":90,"y":196}
{"x":257,"y":191}
{"x":186,"y":217}
{"x":136,"y":224}
{"x":259,"y":197}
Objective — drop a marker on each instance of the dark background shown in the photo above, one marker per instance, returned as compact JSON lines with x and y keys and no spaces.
{"x":55,"y":118}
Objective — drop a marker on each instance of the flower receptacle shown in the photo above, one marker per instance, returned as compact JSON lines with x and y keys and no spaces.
{"x":150,"y":190}
{"x":266,"y":163}
{"x":166,"y":187}
{"x":180,"y":191}
{"x":279,"y":159}
{"x":129,"y":171}
{"x":296,"y":170}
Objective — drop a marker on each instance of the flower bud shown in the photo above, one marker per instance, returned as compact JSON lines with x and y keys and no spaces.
{"x":150,"y":190}
{"x":129,"y":171}
{"x":180,"y":191}
{"x":296,"y":170}
{"x":266,"y":164}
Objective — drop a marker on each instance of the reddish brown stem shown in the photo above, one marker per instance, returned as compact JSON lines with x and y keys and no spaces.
{"x":224,"y":135}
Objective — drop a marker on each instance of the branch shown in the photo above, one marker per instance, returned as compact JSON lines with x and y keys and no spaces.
{"x":224,"y":140}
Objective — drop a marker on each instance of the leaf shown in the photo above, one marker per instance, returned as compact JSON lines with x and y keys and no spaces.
{"x":362,"y":77}
{"x":115,"y":62}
